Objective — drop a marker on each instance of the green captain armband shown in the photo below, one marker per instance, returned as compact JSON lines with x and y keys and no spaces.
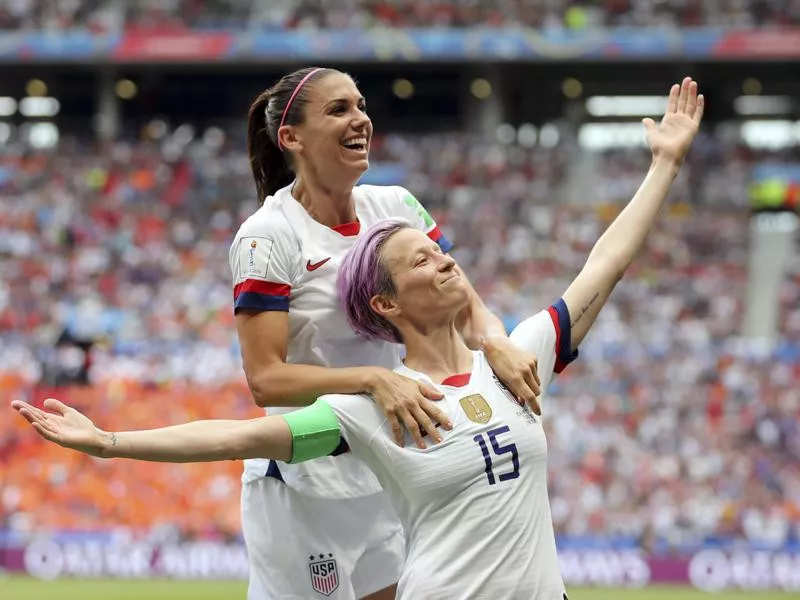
{"x":315,"y":431}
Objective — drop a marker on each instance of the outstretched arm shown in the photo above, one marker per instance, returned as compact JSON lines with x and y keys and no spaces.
{"x":198,"y":441}
{"x":613,"y":253}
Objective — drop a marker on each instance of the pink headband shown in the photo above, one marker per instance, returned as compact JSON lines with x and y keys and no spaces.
{"x":292,"y":97}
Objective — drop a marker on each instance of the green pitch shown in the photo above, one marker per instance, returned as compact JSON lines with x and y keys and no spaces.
{"x":68,"y":589}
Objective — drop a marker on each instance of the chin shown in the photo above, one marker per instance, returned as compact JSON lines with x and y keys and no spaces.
{"x":460,"y":298}
{"x":460,"y":287}
{"x":360,"y":167}
{"x":348,"y":173}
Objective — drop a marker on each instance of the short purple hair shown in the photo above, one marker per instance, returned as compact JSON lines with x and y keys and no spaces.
{"x":363,"y":275}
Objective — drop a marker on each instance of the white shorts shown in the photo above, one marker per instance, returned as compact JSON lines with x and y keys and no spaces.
{"x":302,"y":547}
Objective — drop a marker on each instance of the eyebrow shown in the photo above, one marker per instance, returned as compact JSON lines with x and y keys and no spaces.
{"x":335,"y":100}
{"x":422,"y":251}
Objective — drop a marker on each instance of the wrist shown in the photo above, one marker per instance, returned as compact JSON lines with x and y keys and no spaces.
{"x":491,"y":342}
{"x":666,"y":164}
{"x":108,"y":444}
{"x":371,"y":377}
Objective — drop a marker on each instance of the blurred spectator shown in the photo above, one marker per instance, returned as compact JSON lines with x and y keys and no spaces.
{"x":105,"y":15}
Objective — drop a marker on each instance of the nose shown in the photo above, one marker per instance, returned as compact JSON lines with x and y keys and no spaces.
{"x":361,"y":121}
{"x":446,"y":263}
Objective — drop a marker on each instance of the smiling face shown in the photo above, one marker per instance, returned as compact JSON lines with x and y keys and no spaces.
{"x":428,"y":288}
{"x":333,"y":139}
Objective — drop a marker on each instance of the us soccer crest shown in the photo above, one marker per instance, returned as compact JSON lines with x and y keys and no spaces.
{"x":324,"y":574}
{"x":476,"y":408}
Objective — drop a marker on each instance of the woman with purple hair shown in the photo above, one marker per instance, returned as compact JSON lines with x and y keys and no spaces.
{"x":474,"y":507}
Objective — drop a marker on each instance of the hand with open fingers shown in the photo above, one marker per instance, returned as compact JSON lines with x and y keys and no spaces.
{"x":410,"y":404}
{"x":672,"y":137}
{"x":516,"y":368}
{"x":63,"y":425}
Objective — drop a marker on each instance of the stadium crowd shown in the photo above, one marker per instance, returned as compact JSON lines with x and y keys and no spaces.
{"x":110,"y":15}
{"x":670,"y":428}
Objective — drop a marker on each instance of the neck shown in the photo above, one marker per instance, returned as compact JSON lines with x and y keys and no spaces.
{"x":438,"y":352}
{"x":329,"y":205}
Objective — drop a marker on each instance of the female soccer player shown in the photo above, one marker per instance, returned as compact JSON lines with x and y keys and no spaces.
{"x":474,"y":507}
{"x":308,"y":140}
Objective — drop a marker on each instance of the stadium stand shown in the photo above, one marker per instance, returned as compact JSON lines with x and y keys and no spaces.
{"x":109,"y":15}
{"x":671,"y":431}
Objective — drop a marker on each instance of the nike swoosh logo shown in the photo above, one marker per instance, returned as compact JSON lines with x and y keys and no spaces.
{"x":315,"y":266}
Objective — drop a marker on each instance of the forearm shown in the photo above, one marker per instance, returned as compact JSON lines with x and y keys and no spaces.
{"x":203,"y":441}
{"x":284,"y":384}
{"x":621,"y":242}
{"x":616,"y":249}
{"x":477,"y":323}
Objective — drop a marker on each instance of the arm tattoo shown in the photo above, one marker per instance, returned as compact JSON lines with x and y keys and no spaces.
{"x":113,"y":439}
{"x":585,"y":308}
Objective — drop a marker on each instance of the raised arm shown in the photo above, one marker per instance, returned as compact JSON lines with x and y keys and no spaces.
{"x":613,"y":253}
{"x":198,"y":441}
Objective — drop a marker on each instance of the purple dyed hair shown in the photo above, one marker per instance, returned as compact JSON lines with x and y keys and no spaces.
{"x":363,"y":275}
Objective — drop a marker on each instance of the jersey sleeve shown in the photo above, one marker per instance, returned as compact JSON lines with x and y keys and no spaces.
{"x":315,"y":432}
{"x":261,"y":266}
{"x":547,"y":334}
{"x":410,"y":208}
{"x":333,"y":425}
{"x":359,"y":420}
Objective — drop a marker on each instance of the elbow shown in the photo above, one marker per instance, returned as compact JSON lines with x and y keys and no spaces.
{"x":262,"y":387}
{"x":610,"y":266}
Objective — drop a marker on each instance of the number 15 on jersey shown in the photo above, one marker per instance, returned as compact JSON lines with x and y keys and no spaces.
{"x":497,"y":449}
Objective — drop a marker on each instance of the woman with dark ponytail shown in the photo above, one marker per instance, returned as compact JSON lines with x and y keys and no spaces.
{"x":325,"y":526}
{"x":270,"y":170}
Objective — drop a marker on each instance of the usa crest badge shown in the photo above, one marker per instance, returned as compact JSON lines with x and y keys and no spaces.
{"x":324,"y":574}
{"x":476,"y":408}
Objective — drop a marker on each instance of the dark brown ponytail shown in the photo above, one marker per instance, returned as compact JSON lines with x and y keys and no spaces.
{"x":270,"y":165}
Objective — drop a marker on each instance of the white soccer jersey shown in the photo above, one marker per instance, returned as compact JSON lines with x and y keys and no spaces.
{"x":474,"y":507}
{"x":282,"y":259}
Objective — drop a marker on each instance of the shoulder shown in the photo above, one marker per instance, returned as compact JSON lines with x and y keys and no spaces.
{"x":548,"y":334}
{"x":539,"y":325}
{"x":358,"y":416}
{"x":268,"y":223}
{"x":389,"y":197}
{"x":349,"y":404}
{"x":265,"y":247}
{"x":383,"y":192}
